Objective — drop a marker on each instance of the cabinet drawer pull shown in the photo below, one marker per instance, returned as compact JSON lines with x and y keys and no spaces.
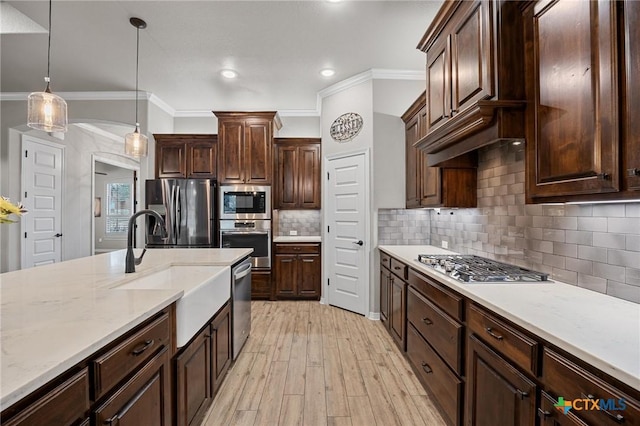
{"x":492,"y":334}
{"x":618,"y":418}
{"x":397,"y":268}
{"x":543,"y":414}
{"x":427,"y":321}
{"x":427,"y":368}
{"x":146,"y":345}
{"x":633,"y":172}
{"x":603,"y":176}
{"x":522,"y":394}
{"x":112,"y":421}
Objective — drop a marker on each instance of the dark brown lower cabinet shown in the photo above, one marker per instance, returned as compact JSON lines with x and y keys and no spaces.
{"x":220,"y":347}
{"x":143,"y":400}
{"x":443,"y":386}
{"x":200,"y":368}
{"x":297,"y":270}
{"x":261,"y":287}
{"x":398,"y":308}
{"x":385,"y":288}
{"x":497,"y":393}
{"x":193,"y":379}
{"x":550,"y":416}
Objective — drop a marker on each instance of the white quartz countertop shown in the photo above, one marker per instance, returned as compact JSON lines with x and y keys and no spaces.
{"x":602,"y":330}
{"x":297,"y":239}
{"x":54,"y":316}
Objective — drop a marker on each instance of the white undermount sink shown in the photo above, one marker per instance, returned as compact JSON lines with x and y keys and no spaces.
{"x":206,"y":289}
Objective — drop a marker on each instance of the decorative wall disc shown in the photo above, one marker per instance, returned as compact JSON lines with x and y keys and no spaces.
{"x":346,"y":127}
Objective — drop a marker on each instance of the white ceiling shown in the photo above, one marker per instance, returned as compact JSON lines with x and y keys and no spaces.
{"x":277,"y":48}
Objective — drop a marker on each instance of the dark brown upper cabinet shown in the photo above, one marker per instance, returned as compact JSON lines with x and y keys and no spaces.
{"x":583,"y":135}
{"x":572,"y":87}
{"x":453,"y":186}
{"x":474,"y":68}
{"x":297,"y":173}
{"x":245,"y":147}
{"x":631,"y":97}
{"x":186,"y":156}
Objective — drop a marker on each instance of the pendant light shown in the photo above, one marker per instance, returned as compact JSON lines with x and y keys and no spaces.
{"x":45,"y":110}
{"x":136,"y":144}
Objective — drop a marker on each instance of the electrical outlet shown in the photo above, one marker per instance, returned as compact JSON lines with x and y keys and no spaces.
{"x":293,"y":232}
{"x":445,"y":244}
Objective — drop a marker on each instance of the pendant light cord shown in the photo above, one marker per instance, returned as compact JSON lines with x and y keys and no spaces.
{"x":137,"y":63}
{"x":49,"y":50}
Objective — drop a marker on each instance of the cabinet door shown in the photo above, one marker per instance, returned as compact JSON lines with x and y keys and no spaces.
{"x":193,"y":379}
{"x":285,"y":274}
{"x":472,"y":76}
{"x":572,"y":115}
{"x":201,"y":160}
{"x":286,"y":187}
{"x":438,"y":84}
{"x":309,"y":176}
{"x":309,"y":275}
{"x":171,"y":159}
{"x":261,"y":287}
{"x":220,"y":347}
{"x":142,"y":400}
{"x":631,"y":84}
{"x":398,"y":311}
{"x":412,"y":170}
{"x":258,"y":143}
{"x":385,"y":289}
{"x":430,"y":184}
{"x":231,"y":151}
{"x":497,"y":393}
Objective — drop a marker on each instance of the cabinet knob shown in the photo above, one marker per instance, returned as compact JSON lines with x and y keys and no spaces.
{"x":427,"y":368}
{"x":603,"y":176}
{"x":633,"y":172}
{"x":427,"y":321}
{"x":543,"y":414}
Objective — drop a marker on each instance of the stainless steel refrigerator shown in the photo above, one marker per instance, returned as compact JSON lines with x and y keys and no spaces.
{"x":188,"y":209}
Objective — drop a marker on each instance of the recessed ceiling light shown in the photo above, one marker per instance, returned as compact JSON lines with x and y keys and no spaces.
{"x":229,"y":73}
{"x":327,"y":72}
{"x":333,"y":1}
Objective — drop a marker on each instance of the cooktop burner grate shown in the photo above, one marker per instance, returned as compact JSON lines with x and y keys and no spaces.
{"x":471,"y":268}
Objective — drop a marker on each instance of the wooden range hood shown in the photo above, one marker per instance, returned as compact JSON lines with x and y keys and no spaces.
{"x":474,"y":77}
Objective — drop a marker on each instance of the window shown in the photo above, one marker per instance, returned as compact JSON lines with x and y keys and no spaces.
{"x":119,"y":207}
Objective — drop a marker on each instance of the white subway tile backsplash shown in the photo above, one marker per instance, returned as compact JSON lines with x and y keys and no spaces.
{"x":598,"y":224}
{"x":592,"y":283}
{"x":623,"y":291}
{"x":597,"y":254}
{"x":605,"y":239}
{"x":609,"y":272}
{"x":623,"y":258}
{"x":628,"y":225}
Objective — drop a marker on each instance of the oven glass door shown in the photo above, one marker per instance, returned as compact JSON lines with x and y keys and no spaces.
{"x":257,"y":240}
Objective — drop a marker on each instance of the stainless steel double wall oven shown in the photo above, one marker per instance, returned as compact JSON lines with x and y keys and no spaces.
{"x":245,"y":220}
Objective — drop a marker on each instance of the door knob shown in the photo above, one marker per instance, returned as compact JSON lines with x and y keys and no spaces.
{"x":360,"y":243}
{"x":58,"y":235}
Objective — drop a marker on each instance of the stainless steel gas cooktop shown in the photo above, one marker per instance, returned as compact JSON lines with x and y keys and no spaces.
{"x":476,"y":269}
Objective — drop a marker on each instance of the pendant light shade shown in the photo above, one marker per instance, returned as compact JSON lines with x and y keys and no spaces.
{"x":136,"y":144}
{"x":45,"y":110}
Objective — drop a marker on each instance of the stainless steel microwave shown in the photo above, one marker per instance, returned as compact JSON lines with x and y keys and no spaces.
{"x":245,"y":202}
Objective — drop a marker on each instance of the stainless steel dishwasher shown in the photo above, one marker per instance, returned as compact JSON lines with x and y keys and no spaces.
{"x":241,"y":304}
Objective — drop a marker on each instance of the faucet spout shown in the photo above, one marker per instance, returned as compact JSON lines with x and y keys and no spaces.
{"x":130,"y":260}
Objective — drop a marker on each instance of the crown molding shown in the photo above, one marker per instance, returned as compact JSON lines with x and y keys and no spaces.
{"x":368,"y":75}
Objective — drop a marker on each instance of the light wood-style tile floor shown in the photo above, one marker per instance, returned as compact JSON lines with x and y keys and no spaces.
{"x":311,"y":364}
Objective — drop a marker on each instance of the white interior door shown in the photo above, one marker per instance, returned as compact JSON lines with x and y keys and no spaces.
{"x":346,"y":241}
{"x":42,"y":197}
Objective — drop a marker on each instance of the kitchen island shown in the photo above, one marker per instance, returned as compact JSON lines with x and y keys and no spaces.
{"x":55,"y":316}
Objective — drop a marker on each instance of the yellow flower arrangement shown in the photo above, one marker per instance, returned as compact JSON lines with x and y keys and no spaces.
{"x":8,"y":208}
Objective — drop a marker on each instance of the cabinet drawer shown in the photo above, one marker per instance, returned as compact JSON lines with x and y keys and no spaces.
{"x":385,"y":260}
{"x":67,"y":404}
{"x":564,"y":378}
{"x":117,"y":363}
{"x":437,"y":293}
{"x":519,"y":348}
{"x":399,"y":268}
{"x":438,"y":328}
{"x":297,"y":248}
{"x":552,"y":416}
{"x":443,"y":386}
